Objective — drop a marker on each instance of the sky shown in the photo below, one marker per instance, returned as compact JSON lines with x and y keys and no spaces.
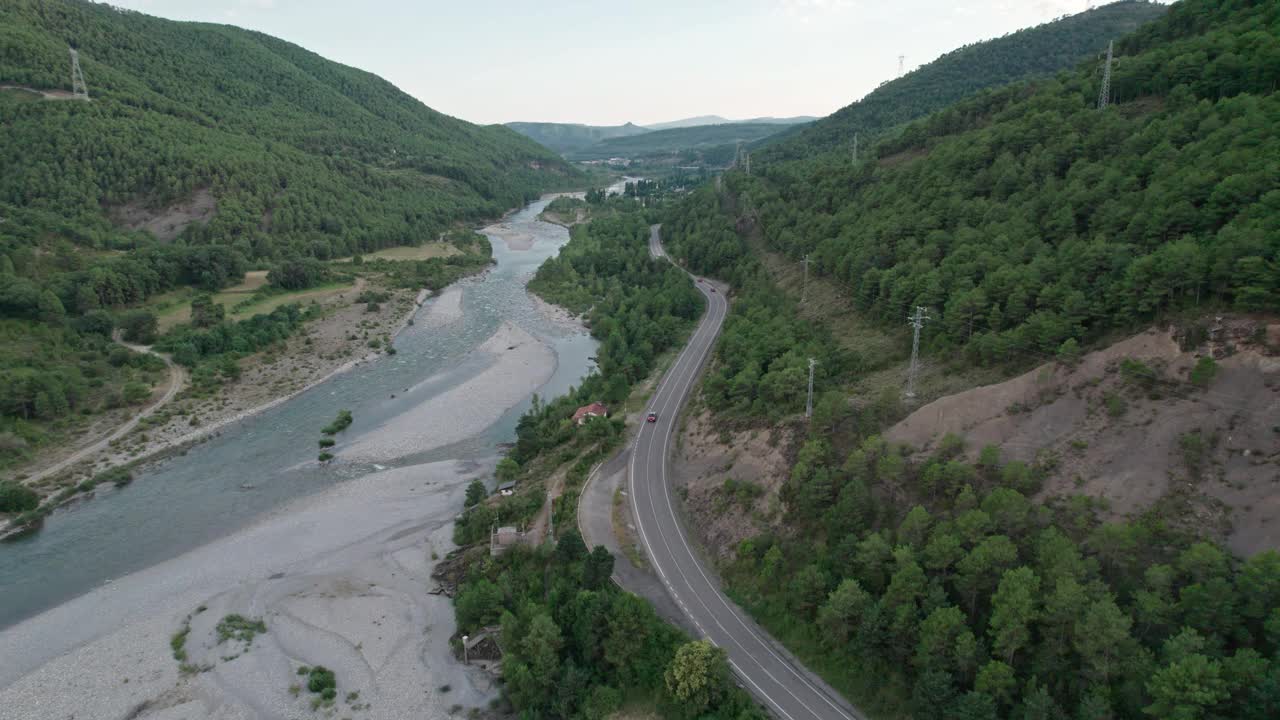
{"x":606,"y":63}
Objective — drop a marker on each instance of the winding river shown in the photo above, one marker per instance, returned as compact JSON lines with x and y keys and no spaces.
{"x":256,"y":466}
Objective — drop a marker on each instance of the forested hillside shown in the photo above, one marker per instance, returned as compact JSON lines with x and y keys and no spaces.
{"x":1026,"y":217}
{"x":1030,"y":222}
{"x":568,"y":137}
{"x":1040,"y":50}
{"x":239,"y":150}
{"x":667,"y":142}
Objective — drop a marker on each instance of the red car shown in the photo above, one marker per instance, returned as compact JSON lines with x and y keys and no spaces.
{"x":653,"y":417}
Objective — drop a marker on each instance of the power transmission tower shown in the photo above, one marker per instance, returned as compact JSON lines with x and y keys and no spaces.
{"x":78,"y":86}
{"x":917,"y":321}
{"x":808,"y":405}
{"x":855,"y":148}
{"x":1104,"y":97}
{"x":748,"y":162}
{"x":804,"y":288}
{"x":901,"y":58}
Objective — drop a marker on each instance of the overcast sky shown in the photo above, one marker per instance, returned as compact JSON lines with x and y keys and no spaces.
{"x":606,"y":63}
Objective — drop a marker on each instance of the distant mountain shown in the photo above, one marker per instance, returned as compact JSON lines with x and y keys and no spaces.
{"x":567,"y":137}
{"x":676,"y":140}
{"x":796,"y":120}
{"x":718,"y":120}
{"x":1041,"y":50}
{"x":690,"y":122}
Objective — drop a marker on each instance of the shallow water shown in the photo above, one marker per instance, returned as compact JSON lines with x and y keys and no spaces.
{"x":190,"y":500}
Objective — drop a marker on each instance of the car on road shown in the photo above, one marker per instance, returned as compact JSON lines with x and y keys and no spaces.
{"x":701,"y":280}
{"x":653,"y":417}
{"x":713,"y":289}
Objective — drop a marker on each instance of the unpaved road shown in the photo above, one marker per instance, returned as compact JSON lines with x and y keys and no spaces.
{"x":177,"y":381}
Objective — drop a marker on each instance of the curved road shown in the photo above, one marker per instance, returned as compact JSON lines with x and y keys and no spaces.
{"x":177,"y":380}
{"x":767,"y":670}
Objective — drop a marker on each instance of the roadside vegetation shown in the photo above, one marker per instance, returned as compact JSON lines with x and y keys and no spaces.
{"x":1032,"y":225}
{"x":574,"y":643}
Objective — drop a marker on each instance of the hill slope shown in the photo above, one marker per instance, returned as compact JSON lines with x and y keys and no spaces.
{"x":933,"y":584}
{"x":206,"y":150}
{"x":332,"y":154}
{"x":568,"y":137}
{"x":666,"y":142}
{"x":1040,"y":50}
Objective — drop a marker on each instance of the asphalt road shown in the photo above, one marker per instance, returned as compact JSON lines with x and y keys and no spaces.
{"x":770,"y":673}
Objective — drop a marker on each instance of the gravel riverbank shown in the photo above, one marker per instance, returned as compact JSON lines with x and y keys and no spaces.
{"x":340,"y":579}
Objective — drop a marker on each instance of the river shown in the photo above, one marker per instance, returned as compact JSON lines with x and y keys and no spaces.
{"x":191,"y":500}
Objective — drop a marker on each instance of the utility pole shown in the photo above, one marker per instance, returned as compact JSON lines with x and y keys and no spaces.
{"x":804,"y":288}
{"x":917,"y":321}
{"x":1104,"y":97}
{"x":78,"y":87}
{"x":808,"y":406}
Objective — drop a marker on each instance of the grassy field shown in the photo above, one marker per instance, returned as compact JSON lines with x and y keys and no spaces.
{"x":425,"y":251}
{"x":173,"y":308}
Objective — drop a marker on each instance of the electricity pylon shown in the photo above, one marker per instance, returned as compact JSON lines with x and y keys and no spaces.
{"x":1104,"y":97}
{"x":808,"y":405}
{"x":917,"y":321}
{"x":78,"y":86}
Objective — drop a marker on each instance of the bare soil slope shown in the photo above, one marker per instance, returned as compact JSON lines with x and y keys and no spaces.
{"x":1125,"y":424}
{"x":168,"y":223}
{"x":755,"y":463}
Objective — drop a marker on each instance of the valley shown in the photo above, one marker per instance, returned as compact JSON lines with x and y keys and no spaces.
{"x":960,"y":402}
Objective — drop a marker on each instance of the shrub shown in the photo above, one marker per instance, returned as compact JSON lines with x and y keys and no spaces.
{"x":340,"y":423}
{"x":136,"y":393}
{"x":15,"y":497}
{"x":239,"y":627}
{"x":139,"y":326}
{"x":1203,"y":372}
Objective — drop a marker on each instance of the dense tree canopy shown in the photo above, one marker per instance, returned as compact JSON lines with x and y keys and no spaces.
{"x":1041,"y":50}
{"x":931,"y":586}
{"x":1026,"y":217}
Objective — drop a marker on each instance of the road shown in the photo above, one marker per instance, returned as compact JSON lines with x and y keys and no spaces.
{"x":767,"y":670}
{"x":177,"y":380}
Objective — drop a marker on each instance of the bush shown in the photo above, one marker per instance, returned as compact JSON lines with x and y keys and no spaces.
{"x":1204,"y":371}
{"x":136,"y":393}
{"x":117,"y":476}
{"x":15,"y":497}
{"x":139,"y":326}
{"x":340,"y":423}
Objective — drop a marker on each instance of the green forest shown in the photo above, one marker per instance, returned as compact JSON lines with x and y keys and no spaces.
{"x":663,"y":143}
{"x":1037,"y":51}
{"x":577,"y":646}
{"x":299,"y":159}
{"x":1025,"y":218}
